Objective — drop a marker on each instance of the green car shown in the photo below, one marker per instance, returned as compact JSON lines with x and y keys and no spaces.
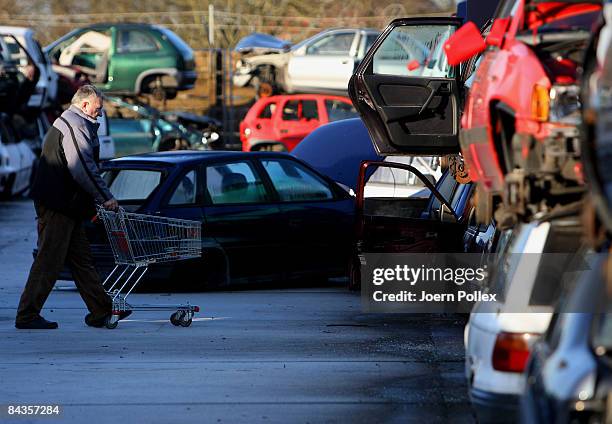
{"x":128,"y":59}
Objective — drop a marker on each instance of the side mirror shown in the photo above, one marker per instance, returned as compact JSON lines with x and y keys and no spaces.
{"x":464,"y":44}
{"x":498,"y":29}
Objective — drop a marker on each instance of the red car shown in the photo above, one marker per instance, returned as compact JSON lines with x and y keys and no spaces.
{"x":519,"y":134}
{"x":279,"y":123}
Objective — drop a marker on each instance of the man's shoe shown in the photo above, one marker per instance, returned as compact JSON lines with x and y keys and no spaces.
{"x":89,"y":320}
{"x":36,"y":324}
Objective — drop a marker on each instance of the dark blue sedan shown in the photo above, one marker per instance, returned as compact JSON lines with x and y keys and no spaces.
{"x":265,"y":216}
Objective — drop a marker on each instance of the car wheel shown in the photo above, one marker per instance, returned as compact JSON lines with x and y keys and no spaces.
{"x":263,"y":88}
{"x":8,"y":188}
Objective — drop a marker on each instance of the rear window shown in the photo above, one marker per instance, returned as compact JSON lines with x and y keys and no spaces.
{"x":298,"y":110}
{"x":338,"y":110}
{"x":177,"y":41}
{"x":132,"y":185}
{"x":267,"y":111}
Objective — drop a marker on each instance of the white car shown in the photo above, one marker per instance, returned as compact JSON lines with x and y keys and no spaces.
{"x":17,"y":161}
{"x":323,"y":63}
{"x":46,"y":88}
{"x":499,"y":335}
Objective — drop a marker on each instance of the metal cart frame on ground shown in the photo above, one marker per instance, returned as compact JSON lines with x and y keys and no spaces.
{"x":139,"y":240}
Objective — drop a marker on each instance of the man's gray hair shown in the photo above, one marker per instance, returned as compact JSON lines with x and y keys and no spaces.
{"x":85,"y":92}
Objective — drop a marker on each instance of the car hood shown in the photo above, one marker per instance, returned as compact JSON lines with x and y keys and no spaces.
{"x":262,"y":43}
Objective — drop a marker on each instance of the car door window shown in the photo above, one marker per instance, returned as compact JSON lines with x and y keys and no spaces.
{"x":134,"y":41}
{"x":369,"y":41}
{"x":293,"y":182}
{"x":414,"y":50}
{"x":338,"y":110}
{"x":234,"y":183}
{"x":300,"y":110}
{"x":134,"y":185}
{"x":332,"y":45}
{"x":185,"y":192}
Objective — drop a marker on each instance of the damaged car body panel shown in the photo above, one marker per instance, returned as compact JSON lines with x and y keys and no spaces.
{"x":273,"y":66}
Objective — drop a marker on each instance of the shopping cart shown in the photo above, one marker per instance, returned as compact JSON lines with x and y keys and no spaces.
{"x":138,"y":241}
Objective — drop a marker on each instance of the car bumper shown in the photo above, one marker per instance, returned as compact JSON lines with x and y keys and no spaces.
{"x":494,"y":407}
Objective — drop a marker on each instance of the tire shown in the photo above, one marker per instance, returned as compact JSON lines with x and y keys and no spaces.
{"x":8,"y":188}
{"x":111,"y":324}
{"x":263,"y":88}
{"x":175,"y":318}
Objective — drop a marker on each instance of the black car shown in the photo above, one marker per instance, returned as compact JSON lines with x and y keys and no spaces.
{"x":265,"y":216}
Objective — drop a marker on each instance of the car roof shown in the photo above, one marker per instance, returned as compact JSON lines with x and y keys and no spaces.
{"x":185,"y":157}
{"x":303,"y":96}
{"x":15,"y":30}
{"x":118,"y":24}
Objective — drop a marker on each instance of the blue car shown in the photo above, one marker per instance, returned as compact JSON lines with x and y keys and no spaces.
{"x":265,"y":216}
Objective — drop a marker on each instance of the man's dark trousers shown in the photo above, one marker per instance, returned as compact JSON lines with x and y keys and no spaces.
{"x":61,"y":240}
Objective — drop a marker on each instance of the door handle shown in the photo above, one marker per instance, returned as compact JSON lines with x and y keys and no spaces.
{"x":284,"y":131}
{"x":434,"y":89}
{"x":345,"y":61}
{"x":429,"y":99}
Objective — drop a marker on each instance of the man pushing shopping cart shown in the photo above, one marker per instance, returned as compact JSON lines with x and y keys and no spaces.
{"x":67,"y":187}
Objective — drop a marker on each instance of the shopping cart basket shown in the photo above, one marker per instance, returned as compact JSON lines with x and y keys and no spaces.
{"x":138,"y":241}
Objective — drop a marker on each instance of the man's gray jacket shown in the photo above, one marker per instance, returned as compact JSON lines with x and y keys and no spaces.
{"x":68,"y":178}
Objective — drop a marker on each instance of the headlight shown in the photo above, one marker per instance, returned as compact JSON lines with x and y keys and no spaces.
{"x":247,"y":132}
{"x":565,"y":104}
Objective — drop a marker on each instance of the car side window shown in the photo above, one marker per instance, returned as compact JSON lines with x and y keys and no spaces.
{"x":135,"y":41}
{"x":185,"y":192}
{"x":268,"y":111}
{"x":298,"y":110}
{"x":414,"y":50}
{"x":370,"y":38}
{"x":234,"y":183}
{"x":332,"y":45}
{"x":294,"y":183}
{"x":337,"y":110}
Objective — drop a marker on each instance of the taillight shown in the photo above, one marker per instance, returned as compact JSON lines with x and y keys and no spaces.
{"x":512,"y":351}
{"x":540,"y":103}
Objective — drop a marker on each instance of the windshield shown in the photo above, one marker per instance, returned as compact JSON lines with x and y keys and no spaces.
{"x":132,"y":186}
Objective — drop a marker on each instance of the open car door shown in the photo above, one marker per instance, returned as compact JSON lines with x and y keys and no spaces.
{"x":400,"y":210}
{"x":406,"y":92}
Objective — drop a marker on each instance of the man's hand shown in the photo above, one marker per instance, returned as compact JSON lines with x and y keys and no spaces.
{"x":111,"y":205}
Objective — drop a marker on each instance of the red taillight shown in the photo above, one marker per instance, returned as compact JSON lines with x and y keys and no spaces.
{"x":511,"y":351}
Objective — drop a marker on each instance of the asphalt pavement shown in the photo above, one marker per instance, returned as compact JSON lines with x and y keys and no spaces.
{"x":287,"y":355}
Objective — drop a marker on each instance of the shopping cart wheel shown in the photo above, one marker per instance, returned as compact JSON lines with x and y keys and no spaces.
{"x":111,"y":323}
{"x":180,"y":318}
